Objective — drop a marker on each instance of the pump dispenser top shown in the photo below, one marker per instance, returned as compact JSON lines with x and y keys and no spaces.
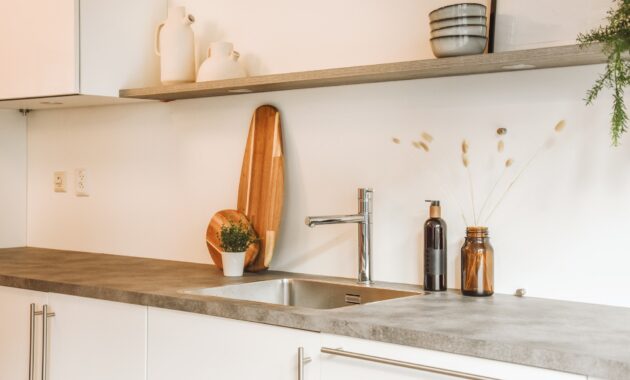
{"x":435,"y":211}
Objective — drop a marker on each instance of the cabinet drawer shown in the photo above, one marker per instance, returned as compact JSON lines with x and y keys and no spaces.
{"x":336,"y":367}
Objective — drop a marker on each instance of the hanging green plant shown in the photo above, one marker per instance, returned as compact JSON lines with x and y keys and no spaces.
{"x":615,"y":39}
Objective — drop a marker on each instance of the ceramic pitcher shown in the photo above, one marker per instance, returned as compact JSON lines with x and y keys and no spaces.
{"x":175,"y":44}
{"x":222,"y":63}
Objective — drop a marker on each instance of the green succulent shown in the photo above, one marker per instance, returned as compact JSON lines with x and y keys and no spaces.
{"x":615,"y":38}
{"x":236,"y":237}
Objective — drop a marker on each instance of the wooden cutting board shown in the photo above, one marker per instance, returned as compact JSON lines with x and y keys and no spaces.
{"x":261,"y":189}
{"x":213,"y":242}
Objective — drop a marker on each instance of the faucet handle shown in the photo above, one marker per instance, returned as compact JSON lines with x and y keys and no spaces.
{"x":365,"y":199}
{"x":365,"y":192}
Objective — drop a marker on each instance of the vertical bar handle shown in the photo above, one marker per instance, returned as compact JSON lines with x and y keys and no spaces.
{"x":302,"y":360}
{"x":45,"y":315}
{"x":31,"y":345}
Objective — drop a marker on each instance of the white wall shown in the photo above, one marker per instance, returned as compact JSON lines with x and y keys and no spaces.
{"x":12,"y":179}
{"x":158,"y":171}
{"x":284,"y":35}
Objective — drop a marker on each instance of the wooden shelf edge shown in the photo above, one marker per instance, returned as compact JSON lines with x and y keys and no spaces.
{"x":543,"y":58}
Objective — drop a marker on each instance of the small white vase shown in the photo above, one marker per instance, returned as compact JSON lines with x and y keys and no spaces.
{"x":175,"y":45}
{"x":233,"y":263}
{"x":222,"y":63}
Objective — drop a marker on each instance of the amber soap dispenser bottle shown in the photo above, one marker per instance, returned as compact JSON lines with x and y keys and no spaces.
{"x":435,"y":249}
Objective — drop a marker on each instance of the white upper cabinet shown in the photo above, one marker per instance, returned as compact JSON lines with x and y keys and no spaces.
{"x":52,"y":50}
{"x":38,"y":44}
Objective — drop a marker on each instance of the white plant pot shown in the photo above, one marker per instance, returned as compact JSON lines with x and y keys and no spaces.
{"x":233,"y":263}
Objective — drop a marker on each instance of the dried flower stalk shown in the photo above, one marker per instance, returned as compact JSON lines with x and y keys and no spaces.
{"x":427,"y":137}
{"x":500,"y":146}
{"x":472,"y":196}
{"x":425,"y":147}
{"x":420,"y":145}
{"x":395,"y":140}
{"x":559,"y":127}
{"x":509,"y":162}
{"x":466,"y":163}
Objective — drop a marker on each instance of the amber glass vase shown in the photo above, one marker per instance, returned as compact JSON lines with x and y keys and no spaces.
{"x":477,"y":263}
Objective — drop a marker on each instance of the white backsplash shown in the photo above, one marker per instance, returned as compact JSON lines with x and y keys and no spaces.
{"x":158,"y":171}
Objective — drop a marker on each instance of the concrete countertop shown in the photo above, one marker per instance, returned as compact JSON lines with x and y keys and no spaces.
{"x":573,"y":337}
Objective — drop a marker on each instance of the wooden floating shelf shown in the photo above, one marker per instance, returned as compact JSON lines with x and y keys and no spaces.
{"x":561,"y":56}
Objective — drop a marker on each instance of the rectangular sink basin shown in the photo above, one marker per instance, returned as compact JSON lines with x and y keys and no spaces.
{"x":303,"y":293}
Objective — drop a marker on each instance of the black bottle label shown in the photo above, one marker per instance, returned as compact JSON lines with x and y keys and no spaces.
{"x":434,"y":261}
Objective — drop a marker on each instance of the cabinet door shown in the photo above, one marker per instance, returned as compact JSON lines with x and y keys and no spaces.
{"x":96,"y":340}
{"x":14,"y":331}
{"x":199,"y":347}
{"x":335,"y":367}
{"x":38,"y":46}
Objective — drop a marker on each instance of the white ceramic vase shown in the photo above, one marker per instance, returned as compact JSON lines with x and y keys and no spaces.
{"x":175,"y":44}
{"x":222,"y":63}
{"x":233,"y":263}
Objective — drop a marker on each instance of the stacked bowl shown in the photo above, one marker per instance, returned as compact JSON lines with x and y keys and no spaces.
{"x":458,"y":29}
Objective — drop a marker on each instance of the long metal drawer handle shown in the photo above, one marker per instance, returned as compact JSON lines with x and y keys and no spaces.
{"x":46,"y":315}
{"x":302,"y":360}
{"x":398,"y":363}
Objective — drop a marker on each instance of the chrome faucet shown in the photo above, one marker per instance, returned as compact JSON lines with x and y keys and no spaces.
{"x":364,"y":219}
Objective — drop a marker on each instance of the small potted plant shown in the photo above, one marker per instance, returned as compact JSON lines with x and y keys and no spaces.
{"x":235,"y":238}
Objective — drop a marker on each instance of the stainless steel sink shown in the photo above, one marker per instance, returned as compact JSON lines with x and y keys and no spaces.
{"x":303,"y":293}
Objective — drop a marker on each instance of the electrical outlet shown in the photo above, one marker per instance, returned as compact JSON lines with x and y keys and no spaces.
{"x":59,"y":182}
{"x":80,"y":183}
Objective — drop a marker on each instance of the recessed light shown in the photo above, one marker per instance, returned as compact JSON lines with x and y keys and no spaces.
{"x":50,"y":103}
{"x":520,"y":66}
{"x":240,"y":91}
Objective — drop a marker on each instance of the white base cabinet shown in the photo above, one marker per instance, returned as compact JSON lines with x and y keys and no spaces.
{"x":96,"y":340}
{"x":200,"y":347}
{"x":87,"y":338}
{"x":103,"y":340}
{"x":14,"y":332}
{"x":334,"y":367}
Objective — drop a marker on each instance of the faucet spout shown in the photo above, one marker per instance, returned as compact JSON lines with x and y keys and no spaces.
{"x":313,"y":221}
{"x":364,"y":219}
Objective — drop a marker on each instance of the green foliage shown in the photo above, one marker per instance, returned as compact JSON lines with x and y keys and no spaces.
{"x":236,"y":237}
{"x":615,"y":38}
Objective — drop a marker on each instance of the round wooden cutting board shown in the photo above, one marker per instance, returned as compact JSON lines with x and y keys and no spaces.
{"x":220,"y":219}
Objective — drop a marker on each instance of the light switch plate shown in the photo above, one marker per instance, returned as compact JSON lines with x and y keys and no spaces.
{"x":59,"y":182}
